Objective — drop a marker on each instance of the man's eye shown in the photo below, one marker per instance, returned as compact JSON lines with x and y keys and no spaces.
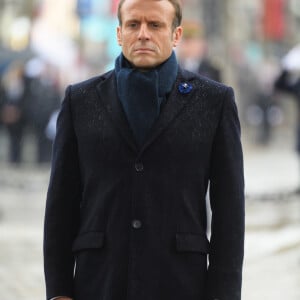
{"x":132,"y":25}
{"x":154,"y":25}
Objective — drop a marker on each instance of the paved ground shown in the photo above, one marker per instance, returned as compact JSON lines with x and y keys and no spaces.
{"x":272,"y":258}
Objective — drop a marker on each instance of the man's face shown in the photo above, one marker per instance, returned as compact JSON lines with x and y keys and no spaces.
{"x":146,"y":35}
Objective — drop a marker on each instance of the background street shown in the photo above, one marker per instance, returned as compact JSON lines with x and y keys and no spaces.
{"x":272,"y":257}
{"x":249,"y":43}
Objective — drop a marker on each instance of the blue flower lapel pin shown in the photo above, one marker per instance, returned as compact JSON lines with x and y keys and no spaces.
{"x":185,"y":88}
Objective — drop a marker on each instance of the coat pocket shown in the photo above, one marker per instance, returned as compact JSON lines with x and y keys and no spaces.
{"x":191,"y":242}
{"x":88,"y":240}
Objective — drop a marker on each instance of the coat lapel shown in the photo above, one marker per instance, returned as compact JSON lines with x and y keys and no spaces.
{"x":175,"y":103}
{"x":108,"y":95}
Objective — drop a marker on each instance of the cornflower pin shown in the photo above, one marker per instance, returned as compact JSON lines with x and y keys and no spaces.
{"x":185,"y":88}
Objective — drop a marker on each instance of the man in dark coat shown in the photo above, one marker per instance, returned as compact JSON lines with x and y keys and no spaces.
{"x":135,"y":153}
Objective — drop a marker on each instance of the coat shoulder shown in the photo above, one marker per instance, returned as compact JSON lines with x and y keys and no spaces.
{"x":207,"y":91}
{"x":203,"y":83}
{"x":82,"y":88}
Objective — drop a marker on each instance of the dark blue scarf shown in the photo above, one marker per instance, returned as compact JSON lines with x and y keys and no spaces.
{"x":142,"y":93}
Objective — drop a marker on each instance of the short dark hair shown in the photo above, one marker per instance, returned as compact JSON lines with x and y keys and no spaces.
{"x":176,"y":4}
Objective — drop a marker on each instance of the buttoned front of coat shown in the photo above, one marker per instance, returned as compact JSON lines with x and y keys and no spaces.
{"x":132,"y":221}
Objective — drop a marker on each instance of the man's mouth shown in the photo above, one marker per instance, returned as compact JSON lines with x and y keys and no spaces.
{"x":144,"y":50}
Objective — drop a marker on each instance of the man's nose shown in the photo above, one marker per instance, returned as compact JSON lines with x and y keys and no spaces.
{"x":144,"y":33}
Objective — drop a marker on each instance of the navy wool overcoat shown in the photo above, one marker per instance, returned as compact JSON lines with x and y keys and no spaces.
{"x":129,"y":223}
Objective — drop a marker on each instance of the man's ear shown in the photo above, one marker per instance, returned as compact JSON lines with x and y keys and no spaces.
{"x":119,"y":35}
{"x":177,"y":34}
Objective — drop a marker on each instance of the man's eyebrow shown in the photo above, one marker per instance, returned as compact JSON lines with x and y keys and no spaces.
{"x":150,"y":20}
{"x":155,"y":21}
{"x":132,"y":20}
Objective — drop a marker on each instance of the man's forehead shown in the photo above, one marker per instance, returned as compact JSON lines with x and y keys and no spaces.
{"x":140,"y":8}
{"x":135,"y":15}
{"x":143,"y":1}
{"x":129,"y":4}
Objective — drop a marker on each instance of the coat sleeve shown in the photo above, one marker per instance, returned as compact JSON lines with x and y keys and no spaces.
{"x":228,"y":207}
{"x":62,"y":207}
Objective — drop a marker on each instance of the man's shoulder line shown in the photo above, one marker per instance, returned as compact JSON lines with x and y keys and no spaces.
{"x":91,"y":82}
{"x":202,"y":80}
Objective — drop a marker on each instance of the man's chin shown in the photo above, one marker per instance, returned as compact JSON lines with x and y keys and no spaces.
{"x":145,"y":64}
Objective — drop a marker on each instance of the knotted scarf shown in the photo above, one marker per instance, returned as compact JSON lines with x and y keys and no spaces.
{"x":142,"y":92}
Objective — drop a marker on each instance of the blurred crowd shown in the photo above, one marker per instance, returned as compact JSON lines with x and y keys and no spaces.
{"x":29,"y":100}
{"x":31,"y":89}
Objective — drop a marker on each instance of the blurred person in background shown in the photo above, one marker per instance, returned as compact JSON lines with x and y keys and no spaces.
{"x":289,"y":81}
{"x":12,"y":109}
{"x":134,"y":153}
{"x":42,"y":100}
{"x":260,"y":108}
{"x":192,"y":52}
{"x":265,"y":109}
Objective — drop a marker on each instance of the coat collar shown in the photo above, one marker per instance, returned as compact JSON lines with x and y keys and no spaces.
{"x":107,"y":91}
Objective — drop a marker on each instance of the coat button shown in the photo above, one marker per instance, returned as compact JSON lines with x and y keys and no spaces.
{"x":139,"y":167}
{"x":136,"y":224}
